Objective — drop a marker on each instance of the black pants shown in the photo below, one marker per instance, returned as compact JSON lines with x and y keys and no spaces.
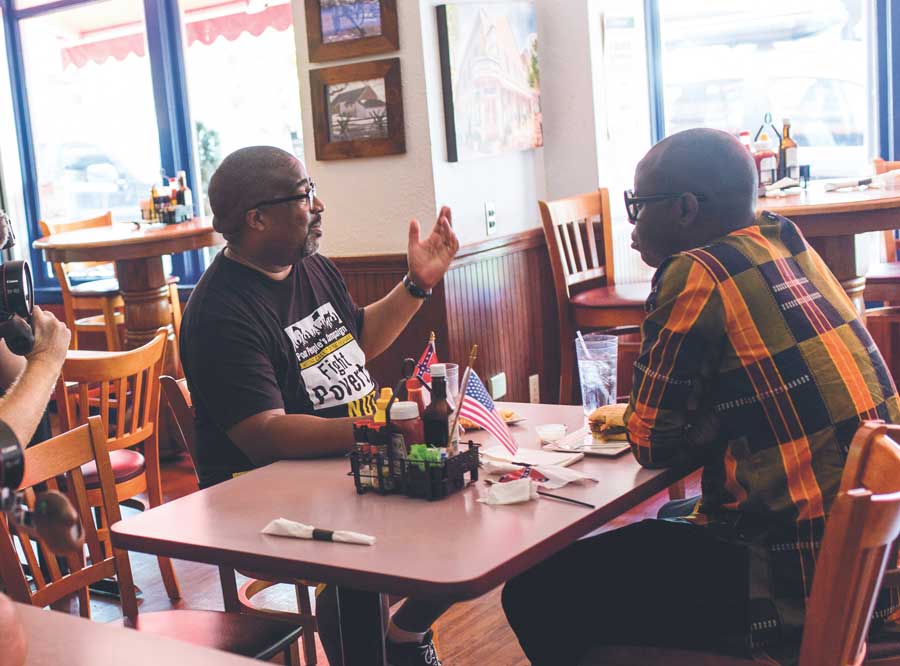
{"x":415,"y":615}
{"x":652,"y":583}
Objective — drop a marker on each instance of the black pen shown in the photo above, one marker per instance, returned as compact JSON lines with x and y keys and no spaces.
{"x":566,"y":499}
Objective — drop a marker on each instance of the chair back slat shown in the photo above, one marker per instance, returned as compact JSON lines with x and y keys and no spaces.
{"x":862,"y":524}
{"x":179,"y":398}
{"x":578,"y":231}
{"x":62,"y":456}
{"x":61,"y":270}
{"x":122,"y":386}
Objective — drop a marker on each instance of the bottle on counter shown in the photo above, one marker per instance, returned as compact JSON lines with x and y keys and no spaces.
{"x":406,"y":428}
{"x":185,"y":196}
{"x":766,"y":162}
{"x":417,"y":393}
{"x":788,"y":162}
{"x":744,"y":138}
{"x":436,"y":417}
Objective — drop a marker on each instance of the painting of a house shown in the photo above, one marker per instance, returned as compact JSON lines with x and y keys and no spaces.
{"x":491,"y":78}
{"x":357,"y":110}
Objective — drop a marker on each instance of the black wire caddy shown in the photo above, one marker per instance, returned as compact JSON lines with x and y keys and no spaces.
{"x":378,"y":465}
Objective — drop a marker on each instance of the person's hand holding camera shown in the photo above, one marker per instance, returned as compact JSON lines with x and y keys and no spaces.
{"x":51,"y":339}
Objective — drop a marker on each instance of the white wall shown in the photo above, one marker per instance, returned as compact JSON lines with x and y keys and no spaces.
{"x":513,"y":181}
{"x":371,"y":200}
{"x":567,"y":97}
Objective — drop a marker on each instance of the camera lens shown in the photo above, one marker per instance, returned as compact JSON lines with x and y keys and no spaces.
{"x":16,"y":288}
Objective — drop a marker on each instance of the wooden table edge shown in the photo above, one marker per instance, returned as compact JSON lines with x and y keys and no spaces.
{"x":458,"y":590}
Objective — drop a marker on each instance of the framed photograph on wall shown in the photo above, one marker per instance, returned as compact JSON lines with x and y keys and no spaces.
{"x":358,"y":110}
{"x":491,"y":78}
{"x":340,"y":29}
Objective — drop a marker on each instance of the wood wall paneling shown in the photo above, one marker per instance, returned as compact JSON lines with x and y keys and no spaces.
{"x":498,"y":294}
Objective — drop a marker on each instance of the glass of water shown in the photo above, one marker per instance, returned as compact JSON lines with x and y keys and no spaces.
{"x":597,"y":358}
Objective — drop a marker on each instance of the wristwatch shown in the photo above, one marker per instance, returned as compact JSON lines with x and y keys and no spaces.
{"x":415,"y":290}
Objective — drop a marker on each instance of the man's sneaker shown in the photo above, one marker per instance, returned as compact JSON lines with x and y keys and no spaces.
{"x":413,"y":654}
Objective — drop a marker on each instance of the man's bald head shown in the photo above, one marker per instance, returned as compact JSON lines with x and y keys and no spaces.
{"x":705,"y":161}
{"x":246,"y":177}
{"x":711,"y":186}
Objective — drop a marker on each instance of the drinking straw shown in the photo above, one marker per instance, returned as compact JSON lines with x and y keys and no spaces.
{"x":584,"y":345}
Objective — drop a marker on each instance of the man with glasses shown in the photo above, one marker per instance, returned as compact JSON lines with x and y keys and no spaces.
{"x":274,"y":348}
{"x":755,"y":365}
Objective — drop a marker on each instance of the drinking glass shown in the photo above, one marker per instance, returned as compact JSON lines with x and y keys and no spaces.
{"x":452,"y":381}
{"x":597,"y":360}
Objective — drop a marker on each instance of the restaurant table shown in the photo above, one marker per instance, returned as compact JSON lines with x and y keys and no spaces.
{"x":137,"y":253}
{"x":831,"y":221}
{"x":58,"y":639}
{"x":453,"y":549}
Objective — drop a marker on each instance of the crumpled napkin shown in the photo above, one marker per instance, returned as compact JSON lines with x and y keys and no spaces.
{"x":289,"y":528}
{"x":511,"y":492}
{"x":558,"y":476}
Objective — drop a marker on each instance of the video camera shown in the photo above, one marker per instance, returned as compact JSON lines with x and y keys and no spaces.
{"x":16,"y":296}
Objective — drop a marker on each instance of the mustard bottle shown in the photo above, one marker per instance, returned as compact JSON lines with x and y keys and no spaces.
{"x":381,"y":404}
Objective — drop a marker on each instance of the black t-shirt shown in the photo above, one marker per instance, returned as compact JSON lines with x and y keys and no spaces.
{"x":250,"y":344}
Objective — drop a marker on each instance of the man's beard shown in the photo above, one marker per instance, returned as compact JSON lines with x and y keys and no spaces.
{"x":311,"y":242}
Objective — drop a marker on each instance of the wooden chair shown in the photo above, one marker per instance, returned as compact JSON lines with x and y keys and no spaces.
{"x":65,"y":456}
{"x":123,"y":388}
{"x":578,"y":231}
{"x":883,"y":284}
{"x":237,"y":599}
{"x":97,"y":295}
{"x":864,"y":521}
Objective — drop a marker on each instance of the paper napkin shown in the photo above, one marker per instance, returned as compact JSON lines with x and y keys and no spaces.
{"x":289,"y":528}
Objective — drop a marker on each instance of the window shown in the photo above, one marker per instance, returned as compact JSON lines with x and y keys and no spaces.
{"x":727,"y":64}
{"x":110,"y":93}
{"x":241,"y":74}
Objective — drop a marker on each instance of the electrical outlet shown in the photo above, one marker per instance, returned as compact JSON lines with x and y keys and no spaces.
{"x":534,"y":388}
{"x":498,"y":385}
{"x":490,"y":217}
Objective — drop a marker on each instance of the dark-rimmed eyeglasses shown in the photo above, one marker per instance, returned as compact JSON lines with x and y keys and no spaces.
{"x":306,"y":199}
{"x":634,"y":203}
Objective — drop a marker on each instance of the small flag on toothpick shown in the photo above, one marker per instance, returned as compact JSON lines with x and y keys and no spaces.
{"x":478,"y":407}
{"x":428,"y":358}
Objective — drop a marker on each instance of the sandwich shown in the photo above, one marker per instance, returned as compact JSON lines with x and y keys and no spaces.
{"x":607,"y":422}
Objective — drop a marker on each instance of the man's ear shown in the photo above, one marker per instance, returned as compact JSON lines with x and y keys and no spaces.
{"x":688,"y":208}
{"x":255,"y":219}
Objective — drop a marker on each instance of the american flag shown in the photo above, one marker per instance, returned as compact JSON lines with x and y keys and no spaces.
{"x":478,"y":407}
{"x":428,"y":359}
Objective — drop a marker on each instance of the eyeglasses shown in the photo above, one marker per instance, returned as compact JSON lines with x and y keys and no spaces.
{"x":308,"y":197}
{"x":634,"y":203}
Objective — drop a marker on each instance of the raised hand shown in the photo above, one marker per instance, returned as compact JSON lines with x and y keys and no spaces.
{"x":430,"y":258}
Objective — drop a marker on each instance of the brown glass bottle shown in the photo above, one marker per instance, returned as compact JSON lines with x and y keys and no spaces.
{"x":788,"y":165}
{"x":436,"y":417}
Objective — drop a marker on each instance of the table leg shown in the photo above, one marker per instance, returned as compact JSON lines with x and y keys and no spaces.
{"x":839,"y":254}
{"x":145,"y":290}
{"x":360,"y":646}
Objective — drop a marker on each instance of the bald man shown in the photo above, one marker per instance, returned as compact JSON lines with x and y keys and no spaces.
{"x":274,"y":350}
{"x":755,"y":365}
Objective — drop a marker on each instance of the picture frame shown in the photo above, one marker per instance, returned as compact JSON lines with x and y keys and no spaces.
{"x":490,"y":76}
{"x":358,"y":110}
{"x":341,"y":29}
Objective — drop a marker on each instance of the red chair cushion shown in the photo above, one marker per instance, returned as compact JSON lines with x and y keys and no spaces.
{"x":247,"y":635}
{"x":126,"y":464}
{"x":105,"y":287}
{"x":617,"y":296}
